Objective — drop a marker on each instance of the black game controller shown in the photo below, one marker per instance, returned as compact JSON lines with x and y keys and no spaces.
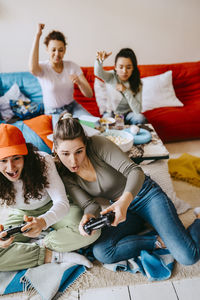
{"x":104,"y":220}
{"x":12,"y":230}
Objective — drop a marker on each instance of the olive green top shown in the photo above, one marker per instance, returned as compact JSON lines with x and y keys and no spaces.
{"x":115,"y":172}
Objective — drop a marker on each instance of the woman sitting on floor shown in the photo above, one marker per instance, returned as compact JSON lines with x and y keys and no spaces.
{"x":96,"y":167}
{"x":32,"y":188}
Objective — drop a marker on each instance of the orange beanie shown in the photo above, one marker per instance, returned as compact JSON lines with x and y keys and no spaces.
{"x":12,"y":141}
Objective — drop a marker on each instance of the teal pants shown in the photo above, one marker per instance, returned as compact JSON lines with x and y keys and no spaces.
{"x":65,"y":237}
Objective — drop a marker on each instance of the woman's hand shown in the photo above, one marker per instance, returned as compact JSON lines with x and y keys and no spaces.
{"x":34,"y":226}
{"x":102,"y":55}
{"x":84,"y":220}
{"x":75,"y":79}
{"x":120,"y":208}
{"x":6,"y":243}
{"x":40,"y":28}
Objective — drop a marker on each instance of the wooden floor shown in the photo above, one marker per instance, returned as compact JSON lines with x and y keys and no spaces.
{"x":178,"y":290}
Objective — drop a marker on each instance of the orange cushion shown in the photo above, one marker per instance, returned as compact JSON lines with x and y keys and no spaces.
{"x":42,"y":125}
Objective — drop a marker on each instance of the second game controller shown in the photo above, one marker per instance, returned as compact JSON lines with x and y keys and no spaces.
{"x":96,"y":223}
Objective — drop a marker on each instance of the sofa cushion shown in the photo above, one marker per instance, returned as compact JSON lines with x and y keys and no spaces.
{"x":6,"y":112}
{"x":32,"y":137}
{"x":158,"y":91}
{"x":186,"y":78}
{"x":42,"y":125}
{"x":27,"y":83}
{"x":88,"y":103}
{"x":176,"y":123}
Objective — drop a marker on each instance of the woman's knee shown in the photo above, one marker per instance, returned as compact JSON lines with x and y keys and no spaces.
{"x":187,"y":258}
{"x":102,"y":254}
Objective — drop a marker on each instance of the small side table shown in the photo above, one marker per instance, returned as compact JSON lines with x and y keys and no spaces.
{"x":154,"y":150}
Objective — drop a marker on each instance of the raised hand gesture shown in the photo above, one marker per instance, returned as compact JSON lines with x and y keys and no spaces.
{"x":102,"y":55}
{"x":40,"y":28}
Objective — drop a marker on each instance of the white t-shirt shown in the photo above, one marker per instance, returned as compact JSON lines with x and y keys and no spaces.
{"x":55,"y":192}
{"x":57,"y":88}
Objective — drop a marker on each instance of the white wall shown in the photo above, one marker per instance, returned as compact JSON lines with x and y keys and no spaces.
{"x":160,"y":31}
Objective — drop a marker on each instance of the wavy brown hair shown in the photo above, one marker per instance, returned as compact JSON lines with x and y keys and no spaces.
{"x":55,"y":35}
{"x":34,"y":178}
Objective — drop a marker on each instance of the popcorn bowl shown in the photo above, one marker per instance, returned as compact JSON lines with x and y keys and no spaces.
{"x":122,"y":139}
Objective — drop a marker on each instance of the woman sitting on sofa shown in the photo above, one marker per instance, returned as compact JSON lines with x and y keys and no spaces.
{"x":32,"y":188}
{"x":96,"y":167}
{"x":57,"y":77}
{"x":124,"y":87}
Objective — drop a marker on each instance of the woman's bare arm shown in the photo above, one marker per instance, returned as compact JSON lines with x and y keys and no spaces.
{"x":34,"y":66}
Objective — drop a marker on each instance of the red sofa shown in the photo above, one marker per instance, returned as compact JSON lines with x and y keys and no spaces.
{"x":171,"y":123}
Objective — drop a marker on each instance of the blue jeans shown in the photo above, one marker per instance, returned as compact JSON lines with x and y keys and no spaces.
{"x":132,"y":118}
{"x":153,"y":206}
{"x":73,"y":108}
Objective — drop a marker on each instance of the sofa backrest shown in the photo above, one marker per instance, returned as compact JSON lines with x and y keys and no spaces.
{"x":27,"y":83}
{"x":186,"y":80}
{"x":88,"y":103}
{"x":185,"y":76}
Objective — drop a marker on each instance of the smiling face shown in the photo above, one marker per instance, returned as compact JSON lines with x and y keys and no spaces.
{"x":124,"y":68}
{"x":11,"y":167}
{"x":56,"y":50}
{"x":72,"y":154}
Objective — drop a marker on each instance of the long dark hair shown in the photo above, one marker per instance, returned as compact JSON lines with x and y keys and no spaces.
{"x":67,"y":128}
{"x":34,"y":178}
{"x":134,"y":79}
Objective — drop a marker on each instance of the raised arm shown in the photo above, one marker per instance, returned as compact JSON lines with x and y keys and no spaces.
{"x":34,"y":66}
{"x":98,"y":66}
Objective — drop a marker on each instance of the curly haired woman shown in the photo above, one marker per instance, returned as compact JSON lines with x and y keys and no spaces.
{"x":31,"y":187}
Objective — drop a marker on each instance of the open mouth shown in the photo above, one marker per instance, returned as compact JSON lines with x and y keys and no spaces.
{"x":75,"y":168}
{"x":12,"y":174}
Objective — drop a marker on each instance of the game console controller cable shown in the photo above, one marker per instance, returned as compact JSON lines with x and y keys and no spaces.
{"x":96,"y":223}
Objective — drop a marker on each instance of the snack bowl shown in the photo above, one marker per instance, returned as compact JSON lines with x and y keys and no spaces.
{"x":122,"y":139}
{"x":107,"y":121}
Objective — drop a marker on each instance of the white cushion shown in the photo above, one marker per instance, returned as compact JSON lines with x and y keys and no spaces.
{"x":101,"y":95}
{"x":158,"y":91}
{"x":13,"y":93}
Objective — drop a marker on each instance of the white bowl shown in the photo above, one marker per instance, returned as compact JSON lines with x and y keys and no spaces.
{"x":107,"y":121}
{"x":121,"y":138}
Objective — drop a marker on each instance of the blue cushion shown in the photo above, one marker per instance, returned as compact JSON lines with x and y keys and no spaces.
{"x":28,"y":84}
